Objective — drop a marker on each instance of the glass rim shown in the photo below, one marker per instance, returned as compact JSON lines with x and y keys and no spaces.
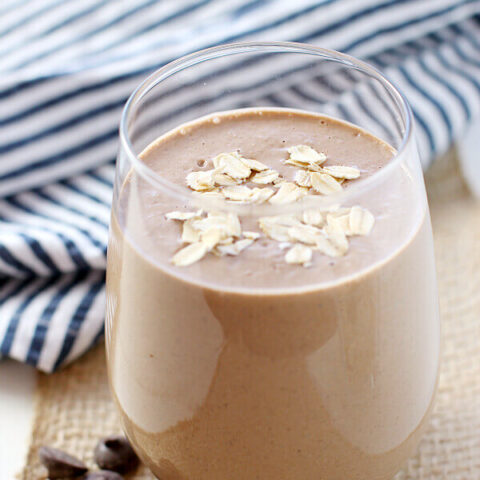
{"x":212,"y":53}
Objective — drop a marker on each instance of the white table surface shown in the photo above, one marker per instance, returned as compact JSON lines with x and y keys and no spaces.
{"x":17,"y":384}
{"x":17,"y":381}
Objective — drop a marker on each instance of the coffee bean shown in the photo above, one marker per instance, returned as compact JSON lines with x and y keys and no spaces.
{"x":115,"y":453}
{"x":60,"y":464}
{"x":103,"y":475}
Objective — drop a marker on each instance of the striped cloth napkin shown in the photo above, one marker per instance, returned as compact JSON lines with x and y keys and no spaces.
{"x":68,"y":66}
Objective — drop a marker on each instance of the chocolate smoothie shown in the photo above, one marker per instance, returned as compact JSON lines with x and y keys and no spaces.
{"x":245,"y":366}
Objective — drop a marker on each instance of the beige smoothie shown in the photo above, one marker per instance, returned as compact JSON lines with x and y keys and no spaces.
{"x":246,"y":365}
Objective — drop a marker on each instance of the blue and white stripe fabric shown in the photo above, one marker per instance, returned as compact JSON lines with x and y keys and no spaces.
{"x":68,"y":66}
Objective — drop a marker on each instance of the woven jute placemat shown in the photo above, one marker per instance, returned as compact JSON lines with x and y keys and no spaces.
{"x":73,"y":408}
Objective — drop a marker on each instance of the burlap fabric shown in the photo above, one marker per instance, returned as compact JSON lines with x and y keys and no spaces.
{"x":73,"y":408}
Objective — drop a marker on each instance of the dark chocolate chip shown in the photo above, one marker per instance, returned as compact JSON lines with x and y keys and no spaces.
{"x":103,"y":475}
{"x":60,"y":464}
{"x":115,"y":453}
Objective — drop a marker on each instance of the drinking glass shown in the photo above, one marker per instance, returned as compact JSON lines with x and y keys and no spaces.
{"x":219,"y":377}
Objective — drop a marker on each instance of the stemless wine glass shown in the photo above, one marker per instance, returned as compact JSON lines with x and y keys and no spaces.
{"x":223,"y":375}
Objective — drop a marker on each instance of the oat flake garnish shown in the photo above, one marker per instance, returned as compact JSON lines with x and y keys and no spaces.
{"x":266,"y":176}
{"x":277,"y":227}
{"x":189,"y":233}
{"x":214,"y":193}
{"x":327,"y":247}
{"x":274,"y":230}
{"x":342,"y":221}
{"x":305,"y":157}
{"x":322,"y":229}
{"x":223,"y":179}
{"x":200,"y":181}
{"x":313,"y":217}
{"x":189,"y":254}
{"x":212,"y":237}
{"x":182,"y":216}
{"x":239,"y":193}
{"x":251,"y":235}
{"x":361,"y":221}
{"x":254,"y":165}
{"x":337,"y":237}
{"x":234,"y":248}
{"x":232,"y":165}
{"x":226,"y":241}
{"x":261,"y":195}
{"x":302,"y":178}
{"x":288,"y":193}
{"x":299,"y":254}
{"x":228,"y":224}
{"x":304,"y":234}
{"x":324,"y":184}
{"x":347,"y":173}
